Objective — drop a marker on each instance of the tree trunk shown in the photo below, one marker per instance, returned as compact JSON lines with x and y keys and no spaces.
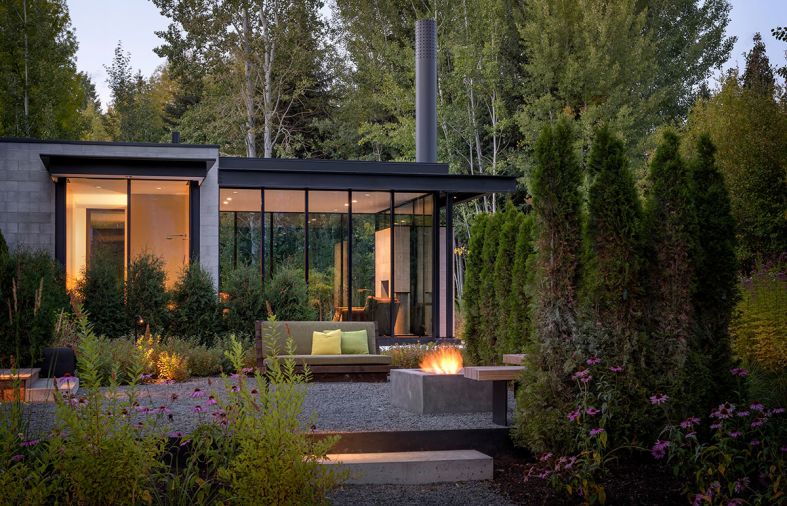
{"x":248,"y":88}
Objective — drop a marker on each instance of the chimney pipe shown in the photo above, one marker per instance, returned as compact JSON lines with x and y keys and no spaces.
{"x":425,"y":90}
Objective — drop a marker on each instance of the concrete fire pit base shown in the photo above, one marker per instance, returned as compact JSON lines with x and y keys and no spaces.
{"x":428,"y":394}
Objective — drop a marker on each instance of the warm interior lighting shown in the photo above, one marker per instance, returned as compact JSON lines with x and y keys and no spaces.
{"x":442,"y":360}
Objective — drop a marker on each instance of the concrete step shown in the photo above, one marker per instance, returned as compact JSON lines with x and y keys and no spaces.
{"x":413,"y":468}
{"x":26,"y":377}
{"x":43,"y":390}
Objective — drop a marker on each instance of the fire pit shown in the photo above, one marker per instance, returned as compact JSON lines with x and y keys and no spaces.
{"x":439,"y":386}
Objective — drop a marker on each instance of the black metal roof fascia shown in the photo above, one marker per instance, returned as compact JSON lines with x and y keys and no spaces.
{"x":453,"y":183}
{"x":28,"y":140}
{"x":335,"y":166}
{"x":179,"y":167}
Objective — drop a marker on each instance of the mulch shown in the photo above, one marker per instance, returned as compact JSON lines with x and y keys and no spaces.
{"x":634,"y":481}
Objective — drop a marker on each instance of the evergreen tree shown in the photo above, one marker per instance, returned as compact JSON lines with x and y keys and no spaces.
{"x":715,"y":270}
{"x":518,"y":326}
{"x":487,"y":293}
{"x":101,"y":292}
{"x":758,"y":75}
{"x":611,"y":279}
{"x":146,"y":296}
{"x":503,"y":274}
{"x":195,"y":310}
{"x":470,"y":299}
{"x":546,"y":395}
{"x":672,"y":230}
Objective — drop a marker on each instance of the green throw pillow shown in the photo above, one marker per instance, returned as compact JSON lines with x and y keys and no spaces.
{"x":327,"y":343}
{"x":355,"y":343}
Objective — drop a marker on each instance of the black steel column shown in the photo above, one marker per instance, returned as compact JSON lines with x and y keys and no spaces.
{"x":128,"y":224}
{"x":60,"y":221}
{"x":262,"y":237}
{"x":435,"y":266}
{"x":392,"y":270}
{"x":194,"y":224}
{"x":349,"y":255}
{"x":306,"y":235}
{"x":449,"y":265}
{"x":500,"y":402}
{"x":234,"y":239}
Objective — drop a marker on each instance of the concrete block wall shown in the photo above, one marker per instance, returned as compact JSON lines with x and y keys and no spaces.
{"x":27,"y":193}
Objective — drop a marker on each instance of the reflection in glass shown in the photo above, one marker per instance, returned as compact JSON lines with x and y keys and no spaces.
{"x":328,"y":251}
{"x":284,"y":226}
{"x":413,"y":266}
{"x":240,"y":230}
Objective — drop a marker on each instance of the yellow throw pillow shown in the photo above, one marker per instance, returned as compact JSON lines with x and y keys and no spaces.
{"x":327,"y":343}
{"x":355,"y":343}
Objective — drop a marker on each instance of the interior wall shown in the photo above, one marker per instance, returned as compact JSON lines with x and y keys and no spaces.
{"x":160,"y":225}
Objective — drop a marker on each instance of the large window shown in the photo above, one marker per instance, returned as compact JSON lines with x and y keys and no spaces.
{"x":284,"y":230}
{"x":101,"y":220}
{"x":328,"y":252}
{"x":240,"y":229}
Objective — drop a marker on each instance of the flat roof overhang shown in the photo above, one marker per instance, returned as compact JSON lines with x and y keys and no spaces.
{"x":357,"y":175}
{"x":193,"y":169}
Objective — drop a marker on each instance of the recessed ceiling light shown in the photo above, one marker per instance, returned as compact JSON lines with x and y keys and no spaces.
{"x":346,"y":204}
{"x":98,"y":187}
{"x":229,"y":198}
{"x":226,"y":203}
{"x":367,"y":195}
{"x":158,"y":187}
{"x":235,"y":193}
{"x":355,"y":201}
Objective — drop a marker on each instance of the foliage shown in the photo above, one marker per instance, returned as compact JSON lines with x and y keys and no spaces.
{"x":407,"y":356}
{"x":499,"y":337}
{"x":245,"y":302}
{"x":544,"y":397}
{"x":172,"y":366}
{"x":32,"y":294}
{"x":42,"y":90}
{"x":471,"y":299}
{"x":195,"y":311}
{"x":287,"y":294}
{"x":758,"y":330}
{"x":518,"y":301}
{"x":100,"y":290}
{"x":204,"y":361}
{"x":146,"y":297}
{"x":321,"y":294}
{"x":716,"y":289}
{"x":487,"y":299}
{"x":749,"y":129}
{"x":671,"y":226}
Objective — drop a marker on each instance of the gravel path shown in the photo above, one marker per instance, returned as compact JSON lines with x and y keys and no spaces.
{"x":446,"y":494}
{"x":349,"y":407}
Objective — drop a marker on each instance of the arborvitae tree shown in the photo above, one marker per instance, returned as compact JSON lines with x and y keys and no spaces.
{"x":470,"y":299}
{"x":716,"y":290}
{"x":518,"y":301}
{"x":195,"y":311}
{"x":671,"y":226}
{"x":146,"y":296}
{"x":101,"y":292}
{"x":758,"y":75}
{"x":487,"y":296}
{"x":504,"y":264}
{"x":546,"y":395}
{"x":613,"y":255}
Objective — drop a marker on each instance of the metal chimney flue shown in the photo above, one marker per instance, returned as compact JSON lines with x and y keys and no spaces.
{"x":425,"y":90}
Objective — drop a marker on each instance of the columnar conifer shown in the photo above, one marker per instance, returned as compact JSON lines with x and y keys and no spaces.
{"x":470,"y":299}
{"x":504,"y":264}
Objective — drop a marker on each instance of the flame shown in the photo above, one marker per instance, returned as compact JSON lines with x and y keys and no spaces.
{"x":442,"y":360}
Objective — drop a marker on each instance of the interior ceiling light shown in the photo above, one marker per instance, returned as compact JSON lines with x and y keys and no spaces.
{"x":346,"y":204}
{"x":229,"y":198}
{"x":158,"y":187}
{"x":355,"y":201}
{"x":235,"y":193}
{"x":98,"y":187}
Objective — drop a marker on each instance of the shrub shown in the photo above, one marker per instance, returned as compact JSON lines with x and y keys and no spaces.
{"x":146,"y":297}
{"x":101,"y":293}
{"x":172,"y":366}
{"x":245,"y":303}
{"x":287,"y":295}
{"x":33,"y":295}
{"x":518,"y":301}
{"x":195,"y":311}
{"x":321,"y":294}
{"x":498,"y":339}
{"x":470,"y":299}
{"x":204,"y":361}
{"x":407,"y":356}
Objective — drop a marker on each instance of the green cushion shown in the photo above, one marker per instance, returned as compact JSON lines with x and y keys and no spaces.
{"x":355,"y":342}
{"x":327,"y":343}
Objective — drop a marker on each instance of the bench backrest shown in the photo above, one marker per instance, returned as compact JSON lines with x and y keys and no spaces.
{"x":301,"y":333}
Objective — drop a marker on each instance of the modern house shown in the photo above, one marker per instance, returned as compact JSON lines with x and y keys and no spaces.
{"x":376,"y":236}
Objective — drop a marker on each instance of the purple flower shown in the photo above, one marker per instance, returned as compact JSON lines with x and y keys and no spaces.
{"x":616,"y":368}
{"x":197,"y":409}
{"x":247,"y":370}
{"x":593,"y":361}
{"x":691,"y":434}
{"x":142,"y":409}
{"x":659,"y":449}
{"x":734,"y":434}
{"x":740,"y":485}
{"x":176,"y":434}
{"x":743,"y":414}
{"x":545,"y":457}
{"x":584,"y":376}
{"x":595,"y":432}
{"x":658,"y":399}
{"x":592,"y":411}
{"x":715,"y":426}
{"x":757,"y":406}
{"x":544,"y":474}
{"x":724,"y":411}
{"x":211,"y":400}
{"x":574,"y":415}
{"x":754,"y":442}
{"x":17,"y":458}
{"x":197,"y":393}
{"x":235,"y":388}
{"x":739,"y":371}
{"x":783,"y":449}
{"x":169,"y":382}
{"x":161,"y":410}
{"x":145,"y":376}
{"x":29,"y":442}
{"x":689,"y":422}
{"x":757,"y":423}
{"x":776,"y":411}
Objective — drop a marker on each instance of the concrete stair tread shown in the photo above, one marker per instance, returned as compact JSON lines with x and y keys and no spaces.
{"x":43,"y":390}
{"x":413,"y":468}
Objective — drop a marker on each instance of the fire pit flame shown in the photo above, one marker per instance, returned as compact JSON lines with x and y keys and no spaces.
{"x":442,"y":360}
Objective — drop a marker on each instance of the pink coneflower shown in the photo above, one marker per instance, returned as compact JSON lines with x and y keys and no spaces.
{"x":724,"y":411}
{"x":659,"y":449}
{"x":544,"y":474}
{"x":169,"y":382}
{"x":197,"y":393}
{"x":739,"y":371}
{"x":595,"y":432}
{"x":658,"y":399}
{"x":574,"y":415}
{"x":211,"y":400}
{"x":776,"y":411}
{"x":754,"y":442}
{"x":161,"y":410}
{"x":616,"y":368}
{"x":715,"y":426}
{"x":142,"y":409}
{"x":17,"y":458}
{"x":689,"y":422}
{"x":758,"y":423}
{"x":743,"y":414}
{"x":735,"y":434}
{"x":145,"y":376}
{"x":592,"y":411}
{"x":29,"y":442}
{"x":740,"y":485}
{"x":757,"y":407}
{"x":235,"y":388}
{"x":197,"y":409}
{"x":253,"y":391}
{"x":177,"y":434}
{"x":247,"y":370}
{"x":593,"y":361}
{"x":545,"y":457}
{"x":584,"y":376}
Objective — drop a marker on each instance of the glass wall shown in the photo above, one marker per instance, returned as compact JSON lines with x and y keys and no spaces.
{"x":413,"y":266}
{"x":160,"y":223}
{"x":95,"y":224}
{"x":240,"y":229}
{"x":328,"y":252}
{"x":284,"y":230}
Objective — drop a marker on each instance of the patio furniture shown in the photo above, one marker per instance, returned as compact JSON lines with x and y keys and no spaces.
{"x":513,"y":358}
{"x":378,"y":310}
{"x":499,"y":376}
{"x":367,"y":367}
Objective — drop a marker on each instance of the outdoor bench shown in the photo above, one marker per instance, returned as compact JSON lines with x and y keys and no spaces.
{"x":499,"y":376}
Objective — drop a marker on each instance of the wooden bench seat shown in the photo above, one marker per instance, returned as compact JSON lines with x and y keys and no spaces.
{"x":514,"y":358}
{"x":499,"y":375}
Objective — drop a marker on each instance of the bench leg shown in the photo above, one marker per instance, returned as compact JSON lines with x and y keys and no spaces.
{"x":500,"y":402}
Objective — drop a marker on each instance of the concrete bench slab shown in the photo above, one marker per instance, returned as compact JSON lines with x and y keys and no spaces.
{"x":499,"y":376}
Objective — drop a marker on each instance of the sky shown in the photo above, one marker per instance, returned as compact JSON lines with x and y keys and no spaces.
{"x":100,"y":24}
